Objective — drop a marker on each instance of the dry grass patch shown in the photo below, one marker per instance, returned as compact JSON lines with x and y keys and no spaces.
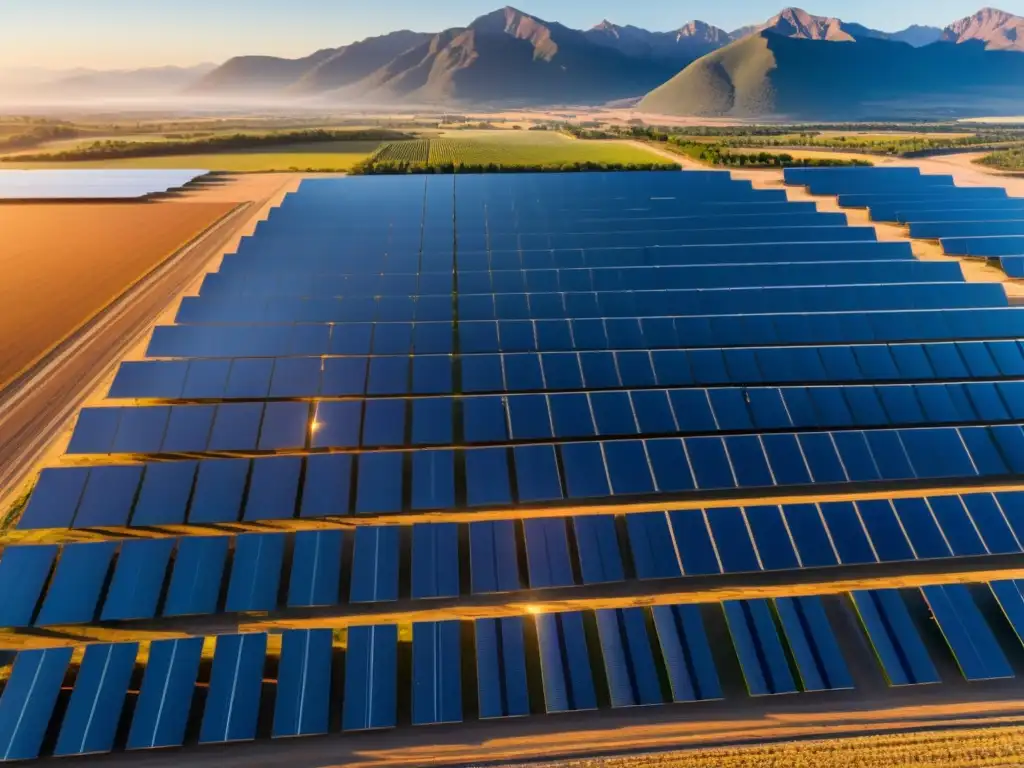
{"x":943,"y":749}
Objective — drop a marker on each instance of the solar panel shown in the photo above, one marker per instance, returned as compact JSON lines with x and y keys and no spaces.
{"x":436,"y":672}
{"x":91,"y":721}
{"x":23,"y":575}
{"x":370,"y":678}
{"x":76,"y":585}
{"x":759,"y":648}
{"x":628,"y":659}
{"x":895,"y":639}
{"x":302,"y":706}
{"x":564,"y":659}
{"x":28,"y":700}
{"x":165,"y":698}
{"x":233,"y":699}
{"x":976,"y":649}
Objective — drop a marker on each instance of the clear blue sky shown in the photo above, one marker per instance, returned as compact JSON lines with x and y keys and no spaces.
{"x":116,"y":33}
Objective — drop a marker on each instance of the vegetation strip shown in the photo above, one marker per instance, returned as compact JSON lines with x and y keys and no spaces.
{"x":112,"y":149}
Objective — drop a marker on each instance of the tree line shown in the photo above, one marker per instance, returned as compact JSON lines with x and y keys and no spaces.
{"x":114,"y":149}
{"x":370,"y":167}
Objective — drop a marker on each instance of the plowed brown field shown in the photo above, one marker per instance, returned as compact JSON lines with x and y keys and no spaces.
{"x":60,"y":264}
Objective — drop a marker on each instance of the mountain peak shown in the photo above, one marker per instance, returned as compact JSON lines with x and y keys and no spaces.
{"x":502,"y":17}
{"x":997,"y":29}
{"x":796,"y":22}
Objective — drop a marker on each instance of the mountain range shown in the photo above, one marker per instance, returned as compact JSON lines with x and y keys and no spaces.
{"x":795,"y":64}
{"x":84,"y":83}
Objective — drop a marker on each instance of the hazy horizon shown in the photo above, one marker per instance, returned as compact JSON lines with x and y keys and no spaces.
{"x":105,"y":34}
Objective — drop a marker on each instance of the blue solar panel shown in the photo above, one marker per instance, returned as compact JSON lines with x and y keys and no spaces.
{"x":165,"y":698}
{"x":196,"y":576}
{"x":233,"y":699}
{"x":973,"y":644}
{"x":688,"y":659}
{"x":759,"y":648}
{"x":435,"y":560}
{"x":895,"y":639}
{"x":819,"y":662}
{"x":76,"y":585}
{"x":91,"y":721}
{"x":370,"y":678}
{"x":55,"y":498}
{"x":316,"y":569}
{"x":375,"y":564}
{"x":23,"y":575}
{"x":302,"y":706}
{"x":28,"y":701}
{"x":547,"y":553}
{"x":628,"y":659}
{"x":436,"y":672}
{"x":255,"y":572}
{"x":138,"y":580}
{"x":564,"y":659}
{"x":501,"y":668}
{"x":493,"y":556}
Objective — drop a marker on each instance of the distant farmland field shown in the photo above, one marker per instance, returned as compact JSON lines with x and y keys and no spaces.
{"x":511,"y":148}
{"x":319,"y":156}
{"x":417,"y":151}
{"x":63,"y":263}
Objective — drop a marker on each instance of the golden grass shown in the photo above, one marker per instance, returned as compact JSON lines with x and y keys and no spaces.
{"x":63,"y":263}
{"x":942,"y":749}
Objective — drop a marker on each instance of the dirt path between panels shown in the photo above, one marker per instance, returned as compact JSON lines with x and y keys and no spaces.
{"x":587,"y":735}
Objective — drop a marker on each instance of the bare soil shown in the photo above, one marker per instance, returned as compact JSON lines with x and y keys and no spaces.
{"x":63,"y":263}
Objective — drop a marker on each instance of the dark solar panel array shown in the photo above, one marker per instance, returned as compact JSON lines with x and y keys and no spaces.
{"x":386,"y":350}
{"x":968,"y":221}
{"x":614,"y":657}
{"x":258,"y":572}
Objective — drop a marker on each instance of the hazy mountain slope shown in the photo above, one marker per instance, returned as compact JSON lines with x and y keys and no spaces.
{"x":916,"y":35}
{"x":768,"y":74}
{"x":259,"y":74}
{"x":354,"y":62}
{"x":689,"y":42}
{"x":132,"y":82}
{"x":999,"y":30}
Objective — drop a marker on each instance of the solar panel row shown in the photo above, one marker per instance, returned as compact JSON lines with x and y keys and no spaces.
{"x":634,"y":657}
{"x":661,"y":302}
{"x":274,"y":340}
{"x":272,"y":571}
{"x":228,"y":289}
{"x":979,"y":221}
{"x":520,"y":418}
{"x":278,"y":378}
{"x":215,"y":490}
